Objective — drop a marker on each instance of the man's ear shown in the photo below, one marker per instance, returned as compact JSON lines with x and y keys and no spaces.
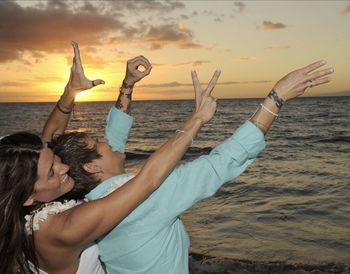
{"x":29,"y":201}
{"x":91,"y":168}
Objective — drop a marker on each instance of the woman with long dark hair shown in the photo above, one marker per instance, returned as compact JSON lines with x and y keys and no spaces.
{"x":39,"y":235}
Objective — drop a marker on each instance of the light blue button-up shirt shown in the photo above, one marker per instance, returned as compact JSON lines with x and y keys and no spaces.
{"x":153,"y":239}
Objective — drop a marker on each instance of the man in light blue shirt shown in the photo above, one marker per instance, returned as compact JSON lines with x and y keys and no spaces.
{"x":152,"y":239}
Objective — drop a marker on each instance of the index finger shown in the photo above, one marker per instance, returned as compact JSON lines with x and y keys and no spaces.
{"x":76,"y":53}
{"x":212,"y":82}
{"x":140,"y":57}
{"x":313,"y":66}
{"x":195,"y":80}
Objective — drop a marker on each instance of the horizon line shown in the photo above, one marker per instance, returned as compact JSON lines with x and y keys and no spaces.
{"x":141,"y":100}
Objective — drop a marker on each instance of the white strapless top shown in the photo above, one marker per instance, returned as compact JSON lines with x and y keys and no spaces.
{"x":89,"y":258}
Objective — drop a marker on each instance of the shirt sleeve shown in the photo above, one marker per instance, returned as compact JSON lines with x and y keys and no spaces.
{"x":201,"y":178}
{"x":118,"y":129}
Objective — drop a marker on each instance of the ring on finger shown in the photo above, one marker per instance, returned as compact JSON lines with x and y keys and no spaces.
{"x":93,"y":83}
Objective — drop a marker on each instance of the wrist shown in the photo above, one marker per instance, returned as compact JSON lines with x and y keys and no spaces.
{"x":277,"y":98}
{"x":67,"y":98}
{"x":128,"y":82}
{"x":196,"y":120}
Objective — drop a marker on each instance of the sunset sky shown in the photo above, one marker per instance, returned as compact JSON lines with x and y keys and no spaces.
{"x":254,"y":43}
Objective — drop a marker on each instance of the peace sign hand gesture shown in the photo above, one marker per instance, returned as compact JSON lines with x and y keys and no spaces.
{"x":205,"y":104}
{"x":77,"y":80}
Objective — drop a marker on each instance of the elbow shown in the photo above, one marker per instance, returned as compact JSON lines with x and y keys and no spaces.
{"x":151,"y":177}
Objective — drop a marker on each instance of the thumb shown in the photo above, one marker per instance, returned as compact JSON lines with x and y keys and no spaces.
{"x":97,"y":82}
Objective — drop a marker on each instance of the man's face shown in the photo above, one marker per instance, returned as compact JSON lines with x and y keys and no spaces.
{"x":111,"y":162}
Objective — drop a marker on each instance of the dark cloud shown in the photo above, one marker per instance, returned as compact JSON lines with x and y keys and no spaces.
{"x":136,"y":6}
{"x":193,"y":63}
{"x":177,"y":84}
{"x":268,"y":25}
{"x":240,"y":6}
{"x":49,"y":29}
{"x":184,"y":17}
{"x":346,"y":9}
{"x":179,"y":35}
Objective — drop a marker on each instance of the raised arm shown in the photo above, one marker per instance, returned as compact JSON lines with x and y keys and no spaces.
{"x":58,"y":120}
{"x":101,"y":215}
{"x":119,"y":114}
{"x":201,"y":178}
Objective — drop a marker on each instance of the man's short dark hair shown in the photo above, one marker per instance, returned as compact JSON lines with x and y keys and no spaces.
{"x":73,"y":150}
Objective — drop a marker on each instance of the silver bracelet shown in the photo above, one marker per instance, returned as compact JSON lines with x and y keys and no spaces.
{"x":268,"y":110}
{"x":186,"y":133}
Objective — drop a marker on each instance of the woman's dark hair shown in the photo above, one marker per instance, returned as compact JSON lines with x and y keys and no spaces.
{"x":73,"y":150}
{"x":19,"y":156}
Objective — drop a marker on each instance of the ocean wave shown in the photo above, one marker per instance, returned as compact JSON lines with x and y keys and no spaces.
{"x":336,"y":139}
{"x":190,"y":154}
{"x":204,"y":264}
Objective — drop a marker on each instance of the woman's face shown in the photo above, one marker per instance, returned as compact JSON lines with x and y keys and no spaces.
{"x":53,"y":180}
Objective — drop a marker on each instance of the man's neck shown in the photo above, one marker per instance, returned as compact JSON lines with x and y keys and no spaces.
{"x":106,"y":176}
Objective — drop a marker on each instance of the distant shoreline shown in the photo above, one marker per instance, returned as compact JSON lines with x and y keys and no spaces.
{"x":167,"y":100}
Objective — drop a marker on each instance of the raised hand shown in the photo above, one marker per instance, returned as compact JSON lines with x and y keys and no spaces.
{"x":296,"y":82}
{"x":205,"y":104}
{"x":77,"y":79}
{"x":133,"y":74}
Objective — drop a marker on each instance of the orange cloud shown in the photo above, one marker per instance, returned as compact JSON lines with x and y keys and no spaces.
{"x":245,"y":58}
{"x":346,"y":9}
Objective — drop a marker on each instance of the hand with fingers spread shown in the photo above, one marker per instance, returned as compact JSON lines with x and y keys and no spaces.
{"x":133,"y":74}
{"x":296,"y":82}
{"x":205,"y":104}
{"x":77,"y":80}
{"x":289,"y":87}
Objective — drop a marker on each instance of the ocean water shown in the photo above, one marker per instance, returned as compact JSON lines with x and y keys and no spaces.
{"x":288,"y":213}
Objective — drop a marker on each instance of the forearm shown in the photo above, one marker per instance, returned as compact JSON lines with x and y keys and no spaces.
{"x":125,"y":97}
{"x":162,"y":162}
{"x":262,"y":118}
{"x":58,"y":120}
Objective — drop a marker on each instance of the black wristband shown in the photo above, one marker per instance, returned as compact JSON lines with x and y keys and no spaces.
{"x":278,"y":100}
{"x":63,"y":111}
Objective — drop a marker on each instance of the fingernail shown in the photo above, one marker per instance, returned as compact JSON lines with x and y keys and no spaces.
{"x":331,"y":70}
{"x":324,"y":62}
